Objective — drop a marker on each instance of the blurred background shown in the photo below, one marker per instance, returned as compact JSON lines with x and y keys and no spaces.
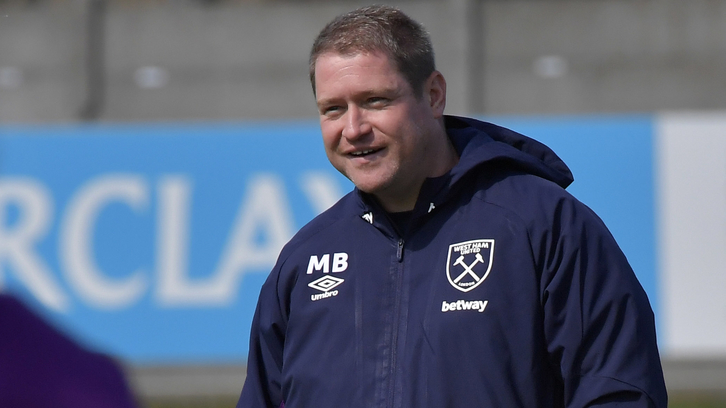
{"x":155,"y":155}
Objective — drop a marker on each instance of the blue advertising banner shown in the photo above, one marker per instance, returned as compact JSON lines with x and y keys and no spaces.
{"x":151,"y":241}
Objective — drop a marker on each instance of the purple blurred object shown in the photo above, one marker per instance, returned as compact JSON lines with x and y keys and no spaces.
{"x":41,"y":367}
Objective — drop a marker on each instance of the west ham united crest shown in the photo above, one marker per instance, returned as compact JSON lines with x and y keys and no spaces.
{"x":469,"y":263}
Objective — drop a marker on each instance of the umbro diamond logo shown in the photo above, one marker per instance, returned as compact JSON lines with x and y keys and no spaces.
{"x":326,"y":284}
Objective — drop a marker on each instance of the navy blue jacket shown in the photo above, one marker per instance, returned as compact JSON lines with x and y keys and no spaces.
{"x":504,"y":291}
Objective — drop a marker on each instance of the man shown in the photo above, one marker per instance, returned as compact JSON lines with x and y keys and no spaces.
{"x":458,"y":273}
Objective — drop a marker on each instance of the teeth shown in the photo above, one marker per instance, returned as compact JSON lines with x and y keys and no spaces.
{"x":362,"y":153}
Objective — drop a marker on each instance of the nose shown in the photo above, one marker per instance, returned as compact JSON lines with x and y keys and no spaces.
{"x":356,"y":124}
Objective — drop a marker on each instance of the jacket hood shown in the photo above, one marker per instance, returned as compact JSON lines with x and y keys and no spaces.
{"x":484,"y":147}
{"x":482,"y":144}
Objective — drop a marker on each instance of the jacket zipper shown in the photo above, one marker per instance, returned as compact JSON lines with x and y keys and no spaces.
{"x":396,"y":325}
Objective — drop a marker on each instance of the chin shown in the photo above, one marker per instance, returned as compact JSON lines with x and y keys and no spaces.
{"x":370,"y":184}
{"x":367,"y":188}
{"x":370,"y":188}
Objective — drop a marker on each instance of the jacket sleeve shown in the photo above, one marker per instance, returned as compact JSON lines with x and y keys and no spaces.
{"x":262,"y":387}
{"x":599,"y":325}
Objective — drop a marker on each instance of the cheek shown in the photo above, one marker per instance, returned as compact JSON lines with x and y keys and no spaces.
{"x":331,"y":137}
{"x":331,"y":142}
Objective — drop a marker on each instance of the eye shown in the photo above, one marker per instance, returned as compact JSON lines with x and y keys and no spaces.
{"x":331,"y":110}
{"x":377,"y":101}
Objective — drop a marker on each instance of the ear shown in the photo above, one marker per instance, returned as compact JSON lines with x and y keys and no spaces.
{"x":436,"y":93}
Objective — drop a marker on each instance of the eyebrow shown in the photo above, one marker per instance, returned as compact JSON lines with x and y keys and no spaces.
{"x":325,"y":102}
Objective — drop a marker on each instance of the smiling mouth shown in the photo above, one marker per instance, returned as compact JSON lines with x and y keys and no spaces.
{"x":364,"y":153}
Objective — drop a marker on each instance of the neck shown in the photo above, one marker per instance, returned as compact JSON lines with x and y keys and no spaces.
{"x":393,"y":203}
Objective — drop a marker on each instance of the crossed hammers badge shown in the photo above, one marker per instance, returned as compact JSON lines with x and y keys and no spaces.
{"x":472,"y":261}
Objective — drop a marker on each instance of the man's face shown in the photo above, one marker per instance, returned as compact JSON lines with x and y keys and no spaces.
{"x":375,"y":129}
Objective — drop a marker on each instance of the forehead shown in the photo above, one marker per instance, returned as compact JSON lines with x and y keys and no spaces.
{"x":365,"y":69}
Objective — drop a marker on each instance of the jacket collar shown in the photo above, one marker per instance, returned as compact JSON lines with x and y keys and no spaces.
{"x":479,"y":145}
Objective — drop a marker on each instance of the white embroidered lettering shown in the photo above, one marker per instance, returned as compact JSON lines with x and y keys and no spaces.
{"x":319,"y":264}
{"x":478,"y":305}
{"x":340,"y":262}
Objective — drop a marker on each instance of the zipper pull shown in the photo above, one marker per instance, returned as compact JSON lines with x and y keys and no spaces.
{"x":399,"y":252}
